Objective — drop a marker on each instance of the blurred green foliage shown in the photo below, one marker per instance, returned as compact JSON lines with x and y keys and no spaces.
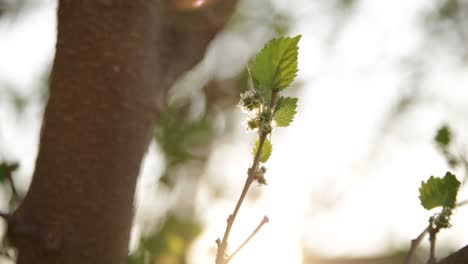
{"x":169,"y":244}
{"x":443,"y":136}
{"x":6,"y":168}
{"x":178,"y":135}
{"x":449,"y":9}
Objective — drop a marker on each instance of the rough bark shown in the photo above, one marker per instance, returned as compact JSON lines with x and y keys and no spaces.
{"x":115,"y":60}
{"x":459,"y":257}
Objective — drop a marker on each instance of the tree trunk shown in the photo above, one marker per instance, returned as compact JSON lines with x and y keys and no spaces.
{"x":115,"y":60}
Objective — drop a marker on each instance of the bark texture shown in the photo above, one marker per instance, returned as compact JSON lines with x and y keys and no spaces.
{"x":459,"y":257}
{"x":115,"y":60}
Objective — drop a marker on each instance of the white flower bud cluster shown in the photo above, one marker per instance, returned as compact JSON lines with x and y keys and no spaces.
{"x":259,"y":115}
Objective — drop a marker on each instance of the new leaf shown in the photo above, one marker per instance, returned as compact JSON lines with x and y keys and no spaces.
{"x":439,"y":191}
{"x":275,"y":66}
{"x":266,"y":150}
{"x":285,"y":111}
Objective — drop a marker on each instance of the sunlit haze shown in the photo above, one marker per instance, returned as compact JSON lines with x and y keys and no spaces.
{"x":343,"y":179}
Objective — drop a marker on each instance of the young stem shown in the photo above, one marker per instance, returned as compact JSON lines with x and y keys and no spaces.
{"x":433,"y":230}
{"x":222,"y":246}
{"x":220,"y":257}
{"x":414,"y":244}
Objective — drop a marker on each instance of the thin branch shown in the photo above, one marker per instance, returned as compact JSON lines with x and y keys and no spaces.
{"x":220,"y":257}
{"x":222,"y":246}
{"x":464,"y":161}
{"x":264,"y":221}
{"x":414,"y":244}
{"x":462,"y":203}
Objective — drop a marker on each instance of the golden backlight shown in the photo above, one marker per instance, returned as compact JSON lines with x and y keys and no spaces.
{"x":191,"y":4}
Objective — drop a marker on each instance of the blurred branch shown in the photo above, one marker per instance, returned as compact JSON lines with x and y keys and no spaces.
{"x":433,"y":230}
{"x":414,"y":244}
{"x":14,"y":192}
{"x":6,"y":174}
{"x":264,"y":221}
{"x":462,"y":203}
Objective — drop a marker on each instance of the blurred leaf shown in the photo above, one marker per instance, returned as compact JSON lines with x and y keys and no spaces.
{"x":346,"y":3}
{"x":443,"y":136}
{"x":281,"y":23}
{"x":275,"y":66}
{"x":165,"y":179}
{"x":449,"y":9}
{"x":439,"y":192}
{"x":176,"y":244}
{"x":135,"y":259}
{"x":285,"y":111}
{"x":7,"y":168}
{"x":266,"y":150}
{"x":169,"y":244}
{"x":177,"y":136}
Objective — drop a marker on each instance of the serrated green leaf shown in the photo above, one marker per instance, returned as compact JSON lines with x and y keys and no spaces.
{"x":285,"y":111}
{"x":275,"y":66}
{"x":439,"y":191}
{"x":264,"y":91}
{"x":266,"y":150}
{"x":443,"y":136}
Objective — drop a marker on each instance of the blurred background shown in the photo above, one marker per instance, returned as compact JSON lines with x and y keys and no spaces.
{"x":376,"y":80}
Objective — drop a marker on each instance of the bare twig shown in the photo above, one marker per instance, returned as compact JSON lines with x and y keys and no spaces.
{"x":462,"y":203}
{"x":264,"y":221}
{"x":414,"y":244}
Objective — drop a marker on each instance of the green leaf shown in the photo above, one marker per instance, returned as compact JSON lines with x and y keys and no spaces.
{"x":264,"y":91}
{"x":285,"y":111}
{"x":275,"y":66}
{"x":266,"y":150}
{"x":439,"y":192}
{"x":443,"y":136}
